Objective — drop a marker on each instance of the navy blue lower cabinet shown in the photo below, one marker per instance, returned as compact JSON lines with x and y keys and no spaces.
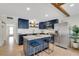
{"x":21,"y":39}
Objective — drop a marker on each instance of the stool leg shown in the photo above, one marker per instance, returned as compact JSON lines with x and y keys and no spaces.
{"x":50,"y":50}
{"x":41,"y":48}
{"x":38,"y":50}
{"x":44,"y":47}
{"x":34,"y":51}
{"x":52,"y":47}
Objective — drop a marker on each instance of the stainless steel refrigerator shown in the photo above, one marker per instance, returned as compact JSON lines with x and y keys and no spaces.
{"x":62,"y":35}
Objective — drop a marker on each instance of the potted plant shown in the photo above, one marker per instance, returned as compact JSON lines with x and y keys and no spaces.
{"x":75,"y":36}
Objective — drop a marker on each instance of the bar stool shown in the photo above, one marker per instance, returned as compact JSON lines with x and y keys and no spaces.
{"x":41,"y":47}
{"x":48,"y":41}
{"x":34,"y":45}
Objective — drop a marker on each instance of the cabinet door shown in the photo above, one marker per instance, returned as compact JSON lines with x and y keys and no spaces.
{"x":52,"y":22}
{"x":42,"y":25}
{"x":20,"y":40}
{"x":23,"y":23}
{"x":62,"y":39}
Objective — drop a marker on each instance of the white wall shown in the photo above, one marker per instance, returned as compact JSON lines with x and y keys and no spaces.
{"x":4,"y":34}
{"x":2,"y":30}
{"x":73,"y":20}
{"x":12,"y":22}
{"x":1,"y":41}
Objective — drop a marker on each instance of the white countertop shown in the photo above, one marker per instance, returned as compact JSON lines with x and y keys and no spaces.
{"x":33,"y":37}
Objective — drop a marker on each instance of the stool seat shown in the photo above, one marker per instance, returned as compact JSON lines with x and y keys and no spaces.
{"x":34,"y":43}
{"x":35,"y":46}
{"x":48,"y":41}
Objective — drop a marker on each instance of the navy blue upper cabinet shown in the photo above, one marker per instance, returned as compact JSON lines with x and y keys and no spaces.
{"x":23,"y":23}
{"x":42,"y":25}
{"x":48,"y":24}
{"x":52,"y":22}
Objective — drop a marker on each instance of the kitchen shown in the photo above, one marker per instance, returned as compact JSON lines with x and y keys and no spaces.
{"x":36,"y":27}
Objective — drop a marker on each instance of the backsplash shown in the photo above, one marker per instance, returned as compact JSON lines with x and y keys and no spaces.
{"x":34,"y":30}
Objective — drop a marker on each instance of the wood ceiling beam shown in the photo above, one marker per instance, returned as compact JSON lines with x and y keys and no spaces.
{"x":59,"y":7}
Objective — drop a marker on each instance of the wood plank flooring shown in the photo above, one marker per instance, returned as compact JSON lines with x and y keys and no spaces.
{"x":16,"y":50}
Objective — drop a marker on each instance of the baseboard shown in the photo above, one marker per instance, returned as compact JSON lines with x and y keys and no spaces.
{"x":61,"y":47}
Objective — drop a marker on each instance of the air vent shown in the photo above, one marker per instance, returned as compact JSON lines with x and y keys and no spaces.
{"x":3,"y":22}
{"x":9,"y":17}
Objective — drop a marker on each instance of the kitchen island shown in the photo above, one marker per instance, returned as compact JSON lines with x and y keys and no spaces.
{"x":35,"y":43}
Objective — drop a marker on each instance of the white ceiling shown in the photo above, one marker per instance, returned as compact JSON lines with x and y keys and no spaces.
{"x":74,"y":10}
{"x":37,"y":11}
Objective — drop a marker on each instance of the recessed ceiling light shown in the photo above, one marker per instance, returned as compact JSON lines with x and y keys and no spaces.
{"x":71,"y":5}
{"x":28,"y":9}
{"x":46,"y":15}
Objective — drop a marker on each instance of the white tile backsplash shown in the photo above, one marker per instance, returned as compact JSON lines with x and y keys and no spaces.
{"x":29,"y":31}
{"x":35,"y":30}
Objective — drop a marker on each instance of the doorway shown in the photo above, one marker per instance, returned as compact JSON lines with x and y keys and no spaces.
{"x":11,"y":37}
{"x":11,"y":34}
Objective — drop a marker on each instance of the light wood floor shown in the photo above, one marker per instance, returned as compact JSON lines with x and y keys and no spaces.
{"x":16,"y":50}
